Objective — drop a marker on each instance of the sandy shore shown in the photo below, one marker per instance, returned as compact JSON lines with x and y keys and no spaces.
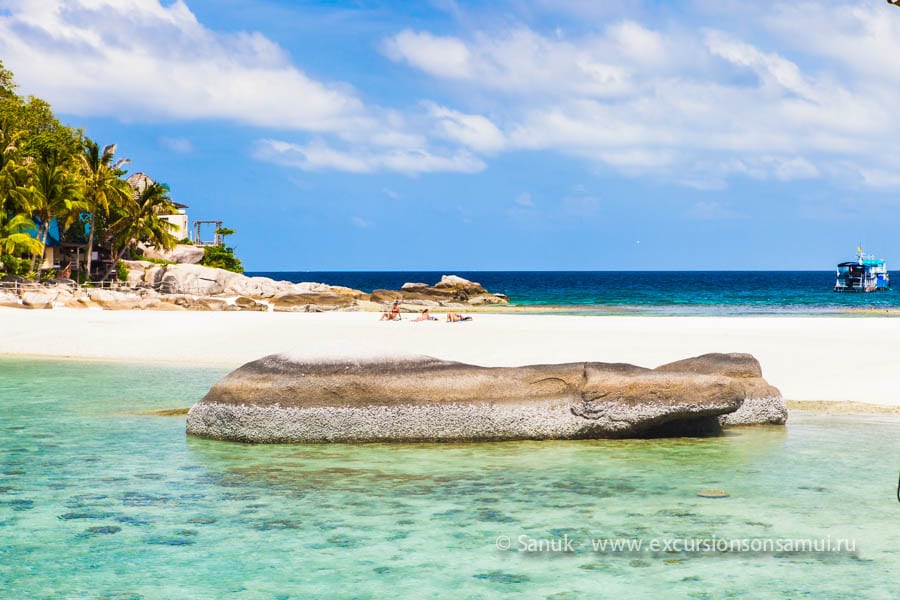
{"x":809,"y":359}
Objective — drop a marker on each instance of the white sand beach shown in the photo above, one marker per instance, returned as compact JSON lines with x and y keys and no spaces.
{"x":809,"y":359}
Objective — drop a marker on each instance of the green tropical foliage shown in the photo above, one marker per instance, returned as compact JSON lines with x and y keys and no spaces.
{"x":53,"y":192}
{"x":53,"y":175}
{"x":221,"y":257}
{"x":14,"y":236}
{"x":103,"y":186}
{"x":139,"y":221}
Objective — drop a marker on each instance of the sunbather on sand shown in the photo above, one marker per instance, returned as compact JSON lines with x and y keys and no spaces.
{"x":393,"y":314}
{"x":456,"y":318}
{"x":425,"y":316}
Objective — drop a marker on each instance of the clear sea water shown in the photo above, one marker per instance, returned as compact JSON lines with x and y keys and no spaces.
{"x":646,"y":292}
{"x":99,"y":499}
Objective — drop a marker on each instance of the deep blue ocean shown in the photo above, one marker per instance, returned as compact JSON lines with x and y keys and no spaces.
{"x":646,"y":292}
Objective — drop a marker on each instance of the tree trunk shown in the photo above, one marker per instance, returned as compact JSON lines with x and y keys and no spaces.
{"x":115,"y":263}
{"x":90,"y":249}
{"x":42,"y":236}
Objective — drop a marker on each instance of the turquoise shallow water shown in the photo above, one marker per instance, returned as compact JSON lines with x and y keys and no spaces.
{"x":100,"y":501}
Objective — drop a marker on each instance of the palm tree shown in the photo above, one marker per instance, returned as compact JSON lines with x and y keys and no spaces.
{"x":8,"y":149}
{"x":10,"y":169}
{"x":103,"y":186}
{"x":15,"y":237}
{"x":138,"y":221}
{"x":52,"y":193}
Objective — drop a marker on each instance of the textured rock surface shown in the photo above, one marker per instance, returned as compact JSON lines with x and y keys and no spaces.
{"x":195,"y":287}
{"x":8,"y":298}
{"x":762,"y":404}
{"x":198,"y":280}
{"x":450,"y":291}
{"x":42,"y":299}
{"x":114,"y":300}
{"x":181,"y":253}
{"x":311,"y":301}
{"x":244,"y":303}
{"x":757,"y":410}
{"x":283,"y":399}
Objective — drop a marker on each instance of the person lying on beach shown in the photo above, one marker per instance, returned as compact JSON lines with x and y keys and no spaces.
{"x":425,"y":316}
{"x":456,"y":318}
{"x":393,"y":314}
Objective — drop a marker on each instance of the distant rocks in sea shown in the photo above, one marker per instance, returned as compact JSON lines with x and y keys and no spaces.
{"x":450,"y":290}
{"x":281,"y":398}
{"x":185,"y":286}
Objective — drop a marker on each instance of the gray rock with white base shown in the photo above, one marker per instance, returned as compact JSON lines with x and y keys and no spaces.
{"x":281,"y":398}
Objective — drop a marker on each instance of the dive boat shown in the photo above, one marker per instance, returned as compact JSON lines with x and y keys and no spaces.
{"x":865,"y":274}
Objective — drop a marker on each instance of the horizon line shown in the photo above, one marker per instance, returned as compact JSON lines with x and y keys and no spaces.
{"x":450,"y":270}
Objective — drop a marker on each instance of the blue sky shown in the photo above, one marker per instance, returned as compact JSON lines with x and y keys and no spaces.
{"x":543,"y":134}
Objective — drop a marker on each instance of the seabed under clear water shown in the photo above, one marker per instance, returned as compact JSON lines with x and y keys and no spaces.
{"x":99,"y":499}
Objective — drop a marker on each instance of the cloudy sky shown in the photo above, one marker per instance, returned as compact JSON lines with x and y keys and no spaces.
{"x":542,"y":134}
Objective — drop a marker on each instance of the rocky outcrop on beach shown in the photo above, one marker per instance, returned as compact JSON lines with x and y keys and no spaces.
{"x":281,"y":398}
{"x":451,"y":290}
{"x":161,"y":286}
{"x":8,"y":298}
{"x":196,"y":287}
{"x":114,"y":300}
{"x":181,"y":253}
{"x":762,"y":403}
{"x":39,"y":299}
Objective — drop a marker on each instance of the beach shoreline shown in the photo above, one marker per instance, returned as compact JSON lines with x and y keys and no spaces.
{"x":809,"y":359}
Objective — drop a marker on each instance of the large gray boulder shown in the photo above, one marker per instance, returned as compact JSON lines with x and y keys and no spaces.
{"x":9,"y":298}
{"x":281,"y":398}
{"x":39,"y":299}
{"x":312,"y":302}
{"x":762,"y":404}
{"x":197,"y":280}
{"x":181,"y":253}
{"x":450,"y":291}
{"x":114,"y":300}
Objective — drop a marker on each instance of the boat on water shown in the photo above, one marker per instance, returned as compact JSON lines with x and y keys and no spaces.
{"x":865,"y":274}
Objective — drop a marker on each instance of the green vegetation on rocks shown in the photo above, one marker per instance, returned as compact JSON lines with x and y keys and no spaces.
{"x":222,"y":256}
{"x":53,"y":177}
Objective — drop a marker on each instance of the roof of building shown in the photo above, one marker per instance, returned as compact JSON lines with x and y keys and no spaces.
{"x":140,"y":181}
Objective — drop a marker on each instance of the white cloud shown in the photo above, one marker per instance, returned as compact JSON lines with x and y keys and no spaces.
{"x":474,"y":131}
{"x":515,"y":61}
{"x":692,"y":105}
{"x":639,"y":43}
{"x":795,"y":91}
{"x":880,"y":178}
{"x":140,"y":58}
{"x":145,"y":60}
{"x":862,"y":37}
{"x":177,"y":145}
{"x":772,"y":69}
{"x":794,"y":168}
{"x":436,"y":55}
{"x":319,"y":155}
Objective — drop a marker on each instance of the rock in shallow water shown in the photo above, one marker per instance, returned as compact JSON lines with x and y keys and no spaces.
{"x":281,"y":398}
